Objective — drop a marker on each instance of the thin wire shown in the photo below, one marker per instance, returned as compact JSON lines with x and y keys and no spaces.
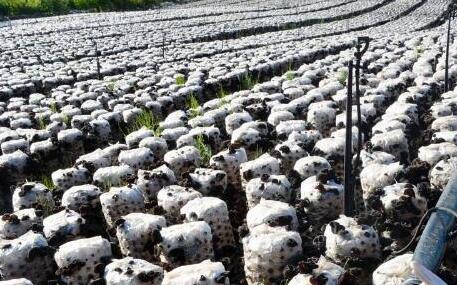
{"x":421,"y":223}
{"x":416,"y":231}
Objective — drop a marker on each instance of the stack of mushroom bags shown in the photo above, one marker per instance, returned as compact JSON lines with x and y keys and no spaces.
{"x":255,"y":174}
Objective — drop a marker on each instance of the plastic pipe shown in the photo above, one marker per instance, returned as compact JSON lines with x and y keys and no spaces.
{"x":432,"y":244}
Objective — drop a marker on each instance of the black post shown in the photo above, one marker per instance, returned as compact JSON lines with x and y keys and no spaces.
{"x":358,"y":56}
{"x":446,"y":70}
{"x":357,"y":102}
{"x":163,"y":44}
{"x":40,"y":61}
{"x":348,"y":189}
{"x":99,"y":76}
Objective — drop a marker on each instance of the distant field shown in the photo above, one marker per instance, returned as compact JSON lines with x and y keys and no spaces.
{"x":52,"y":7}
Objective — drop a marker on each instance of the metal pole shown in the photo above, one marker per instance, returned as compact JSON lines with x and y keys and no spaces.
{"x":358,"y":55}
{"x":348,"y":189}
{"x":163,"y":44}
{"x":357,"y":102}
{"x":40,"y":61}
{"x":446,"y":70}
{"x":98,"y":61}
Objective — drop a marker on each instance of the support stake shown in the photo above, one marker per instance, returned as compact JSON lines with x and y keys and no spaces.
{"x":358,"y":59}
{"x":163,"y":44}
{"x":451,"y":15}
{"x":99,"y":75}
{"x":348,"y":189}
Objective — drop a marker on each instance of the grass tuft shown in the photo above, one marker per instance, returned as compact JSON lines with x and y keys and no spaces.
{"x":47,"y":207}
{"x":343,"y":76}
{"x":247,"y":82}
{"x":111,"y":86}
{"x":205,"y":150}
{"x":418,"y":51}
{"x":41,"y":123}
{"x":66,"y":119}
{"x":290,"y":75}
{"x":258,"y":152}
{"x":145,"y":119}
{"x":106,"y":186}
{"x":53,"y":107}
{"x":193,"y":106}
{"x":180,"y":80}
{"x":46,"y":180}
{"x":222,"y":95}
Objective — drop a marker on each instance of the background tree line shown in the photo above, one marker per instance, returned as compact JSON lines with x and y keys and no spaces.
{"x":55,"y":7}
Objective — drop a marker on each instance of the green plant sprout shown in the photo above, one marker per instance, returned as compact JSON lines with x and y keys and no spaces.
{"x":111,"y":86}
{"x":343,"y":76}
{"x":46,"y":180}
{"x":46,"y":205}
{"x":248,"y":82}
{"x":222,"y":95}
{"x":106,"y":185}
{"x":180,"y":80}
{"x":290,"y":75}
{"x":258,"y":152}
{"x":147,"y":120}
{"x":418,"y":51}
{"x":205,"y":150}
{"x":66,"y":119}
{"x":53,"y":107}
{"x":41,"y":123}
{"x":193,"y":105}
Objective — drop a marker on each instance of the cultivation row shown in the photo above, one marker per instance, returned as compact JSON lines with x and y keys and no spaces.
{"x":116,"y":39}
{"x":126,"y":60}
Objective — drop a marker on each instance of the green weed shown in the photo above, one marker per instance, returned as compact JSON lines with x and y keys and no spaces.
{"x":53,"y":107}
{"x":290,"y":75}
{"x":248,"y":82}
{"x":222,"y":95}
{"x":180,"y":80}
{"x":145,"y":119}
{"x":46,"y":206}
{"x":193,"y":106}
{"x":41,"y":123}
{"x":66,"y":119}
{"x":418,"y":51}
{"x":205,"y":150}
{"x":106,"y":185}
{"x":290,"y":72}
{"x":343,"y":76}
{"x":258,"y":152}
{"x":46,"y":180}
{"x":111,"y":86}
